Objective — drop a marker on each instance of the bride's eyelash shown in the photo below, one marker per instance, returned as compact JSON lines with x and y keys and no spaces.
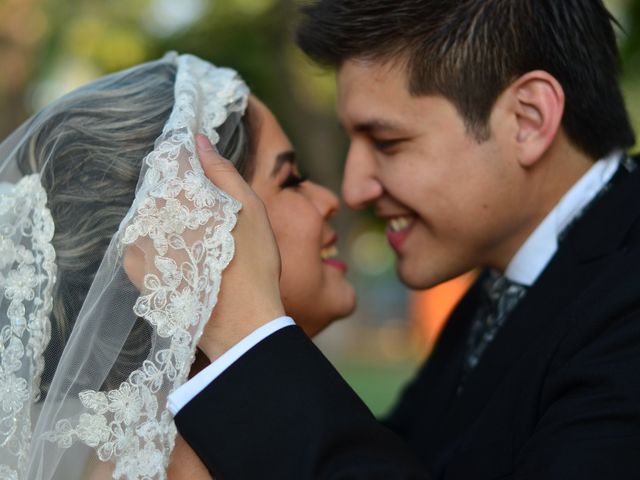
{"x":293,"y":180}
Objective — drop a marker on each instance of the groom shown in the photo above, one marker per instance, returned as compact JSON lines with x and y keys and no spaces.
{"x":489,"y":133}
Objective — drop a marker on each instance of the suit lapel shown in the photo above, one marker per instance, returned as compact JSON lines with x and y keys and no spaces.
{"x":587,"y":248}
{"x":444,"y":367}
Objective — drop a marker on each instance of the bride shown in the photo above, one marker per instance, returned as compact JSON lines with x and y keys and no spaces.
{"x":113,"y":245}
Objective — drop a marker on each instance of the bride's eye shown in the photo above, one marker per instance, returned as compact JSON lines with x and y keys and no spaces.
{"x":293,"y":180}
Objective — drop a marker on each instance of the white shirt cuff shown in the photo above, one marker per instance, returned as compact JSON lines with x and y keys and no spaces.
{"x":187,"y":391}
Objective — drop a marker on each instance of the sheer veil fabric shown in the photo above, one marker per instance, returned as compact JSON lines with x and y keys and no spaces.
{"x":98,"y":393}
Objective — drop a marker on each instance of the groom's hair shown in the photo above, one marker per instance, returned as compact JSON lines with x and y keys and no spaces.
{"x":469,"y":51}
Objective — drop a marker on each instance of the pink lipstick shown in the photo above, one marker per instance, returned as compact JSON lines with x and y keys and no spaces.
{"x":334,"y":262}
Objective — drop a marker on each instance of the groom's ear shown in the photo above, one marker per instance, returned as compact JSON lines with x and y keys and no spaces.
{"x":537,"y":105}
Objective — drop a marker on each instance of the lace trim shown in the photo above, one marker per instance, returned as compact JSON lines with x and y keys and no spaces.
{"x":127,"y":425}
{"x":27,"y":276}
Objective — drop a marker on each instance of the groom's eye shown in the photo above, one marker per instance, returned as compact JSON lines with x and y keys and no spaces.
{"x":293,"y":180}
{"x":385,"y":145}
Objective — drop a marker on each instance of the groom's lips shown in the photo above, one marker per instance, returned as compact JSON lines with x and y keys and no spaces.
{"x":398,"y":230}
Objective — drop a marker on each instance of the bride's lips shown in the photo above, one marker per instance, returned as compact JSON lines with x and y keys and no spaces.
{"x":398,"y":229}
{"x":334,"y":262}
{"x":329,"y":252}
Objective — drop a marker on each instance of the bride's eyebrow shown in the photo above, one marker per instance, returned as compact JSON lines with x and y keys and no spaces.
{"x":281,"y":159}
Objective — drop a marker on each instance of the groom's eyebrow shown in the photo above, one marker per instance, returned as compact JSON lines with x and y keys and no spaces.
{"x":376,"y":126}
{"x":281,"y":159}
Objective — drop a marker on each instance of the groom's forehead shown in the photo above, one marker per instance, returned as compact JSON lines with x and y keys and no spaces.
{"x":367,"y":114}
{"x":372,"y":95}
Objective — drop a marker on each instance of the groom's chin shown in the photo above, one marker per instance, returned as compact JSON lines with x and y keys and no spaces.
{"x":408,"y":276}
{"x":416,"y":276}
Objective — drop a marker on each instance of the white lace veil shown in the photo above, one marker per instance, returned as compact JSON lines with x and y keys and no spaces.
{"x":112,"y":245}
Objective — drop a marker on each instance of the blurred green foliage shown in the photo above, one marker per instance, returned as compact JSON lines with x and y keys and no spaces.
{"x":377,"y":384}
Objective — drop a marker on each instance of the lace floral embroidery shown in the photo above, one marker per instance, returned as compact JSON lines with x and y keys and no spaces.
{"x":183,"y":224}
{"x":27,"y":275}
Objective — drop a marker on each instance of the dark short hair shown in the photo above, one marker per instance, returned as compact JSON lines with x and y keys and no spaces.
{"x":469,"y":51}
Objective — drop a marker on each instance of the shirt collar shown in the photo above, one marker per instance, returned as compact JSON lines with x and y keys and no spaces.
{"x":536,"y":252}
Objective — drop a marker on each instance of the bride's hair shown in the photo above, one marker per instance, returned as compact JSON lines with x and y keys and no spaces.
{"x":88,"y":151}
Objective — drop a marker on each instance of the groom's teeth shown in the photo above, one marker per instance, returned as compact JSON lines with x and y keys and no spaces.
{"x":329,"y":252}
{"x":399,"y":223}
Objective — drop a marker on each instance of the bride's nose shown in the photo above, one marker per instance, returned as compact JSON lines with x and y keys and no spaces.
{"x":325,"y":201}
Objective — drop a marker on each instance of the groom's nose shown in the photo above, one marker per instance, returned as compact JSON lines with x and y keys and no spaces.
{"x":359,"y":184}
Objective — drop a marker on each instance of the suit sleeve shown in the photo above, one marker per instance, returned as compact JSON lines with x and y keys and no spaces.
{"x":283,"y":412}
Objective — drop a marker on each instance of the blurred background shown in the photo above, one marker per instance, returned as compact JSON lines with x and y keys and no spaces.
{"x":48,"y":47}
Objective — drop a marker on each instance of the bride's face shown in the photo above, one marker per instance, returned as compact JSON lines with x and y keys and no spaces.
{"x":313,"y":285}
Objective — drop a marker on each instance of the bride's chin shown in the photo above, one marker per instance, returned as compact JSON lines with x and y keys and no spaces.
{"x":317,"y":305}
{"x":344,"y":303}
{"x":349,"y":299}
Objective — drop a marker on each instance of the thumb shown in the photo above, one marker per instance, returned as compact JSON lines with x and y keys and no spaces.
{"x":219,"y":170}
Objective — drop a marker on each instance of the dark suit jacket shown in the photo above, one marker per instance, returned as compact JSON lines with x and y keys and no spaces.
{"x":555,"y":396}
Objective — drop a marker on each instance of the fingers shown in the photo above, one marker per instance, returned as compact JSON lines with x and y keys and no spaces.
{"x":220,"y":171}
{"x":250,"y":292}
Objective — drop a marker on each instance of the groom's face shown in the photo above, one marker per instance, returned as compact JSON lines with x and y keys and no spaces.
{"x":452,"y":203}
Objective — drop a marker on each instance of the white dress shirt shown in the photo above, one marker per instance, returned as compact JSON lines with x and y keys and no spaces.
{"x":536,"y":252}
{"x":524,"y":268}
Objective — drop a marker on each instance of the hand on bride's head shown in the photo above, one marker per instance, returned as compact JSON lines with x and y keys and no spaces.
{"x":249,"y":295}
{"x":313,"y":286}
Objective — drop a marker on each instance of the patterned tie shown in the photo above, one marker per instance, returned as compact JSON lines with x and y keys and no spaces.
{"x":501,"y":296}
